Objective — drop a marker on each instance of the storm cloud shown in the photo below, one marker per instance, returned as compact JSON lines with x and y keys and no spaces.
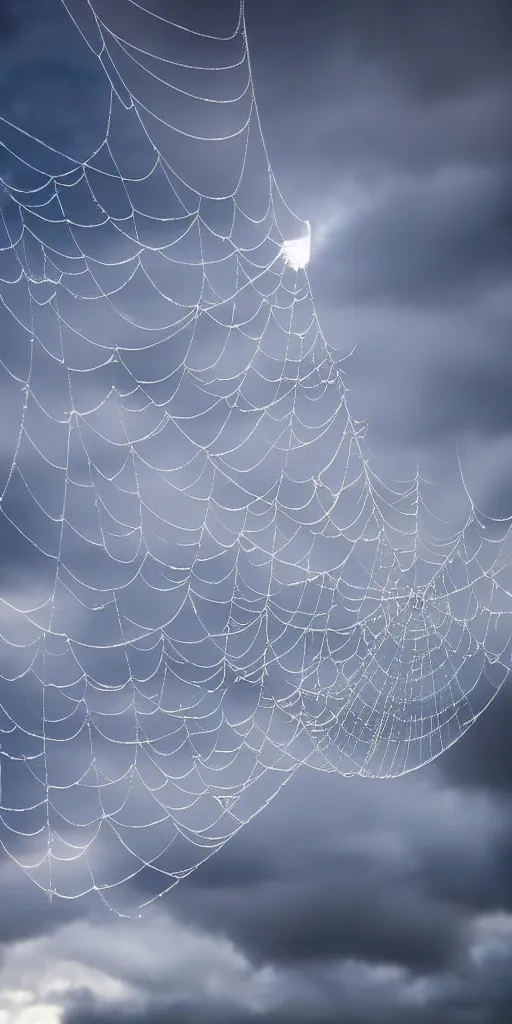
{"x":345,"y":899}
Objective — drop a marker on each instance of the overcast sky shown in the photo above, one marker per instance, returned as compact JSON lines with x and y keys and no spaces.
{"x":346,"y":900}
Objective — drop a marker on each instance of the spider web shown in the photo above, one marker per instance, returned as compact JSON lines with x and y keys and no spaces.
{"x":207,"y":583}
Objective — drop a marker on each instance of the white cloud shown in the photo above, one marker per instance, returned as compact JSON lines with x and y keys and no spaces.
{"x":128,"y":962}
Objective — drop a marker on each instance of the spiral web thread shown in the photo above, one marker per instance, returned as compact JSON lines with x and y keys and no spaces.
{"x":210,"y":585}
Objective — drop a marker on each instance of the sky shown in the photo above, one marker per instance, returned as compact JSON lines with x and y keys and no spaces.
{"x":346,"y":899}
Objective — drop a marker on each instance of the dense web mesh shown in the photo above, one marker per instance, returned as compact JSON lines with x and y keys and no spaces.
{"x":206,"y":583}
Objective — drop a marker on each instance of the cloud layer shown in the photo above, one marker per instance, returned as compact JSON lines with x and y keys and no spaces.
{"x":346,"y":899}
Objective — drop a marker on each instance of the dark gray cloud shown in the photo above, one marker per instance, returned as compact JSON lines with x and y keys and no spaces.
{"x":397,"y":146}
{"x":388,"y":126}
{"x":400,"y":91}
{"x":424,"y":241}
{"x":428,"y":852}
{"x":7,"y":28}
{"x":328,"y":904}
{"x":482,"y":760}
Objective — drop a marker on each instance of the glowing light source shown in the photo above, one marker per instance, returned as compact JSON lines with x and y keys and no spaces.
{"x":297,"y":251}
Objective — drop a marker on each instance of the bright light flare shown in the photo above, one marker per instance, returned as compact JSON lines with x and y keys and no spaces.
{"x":297,"y":251}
